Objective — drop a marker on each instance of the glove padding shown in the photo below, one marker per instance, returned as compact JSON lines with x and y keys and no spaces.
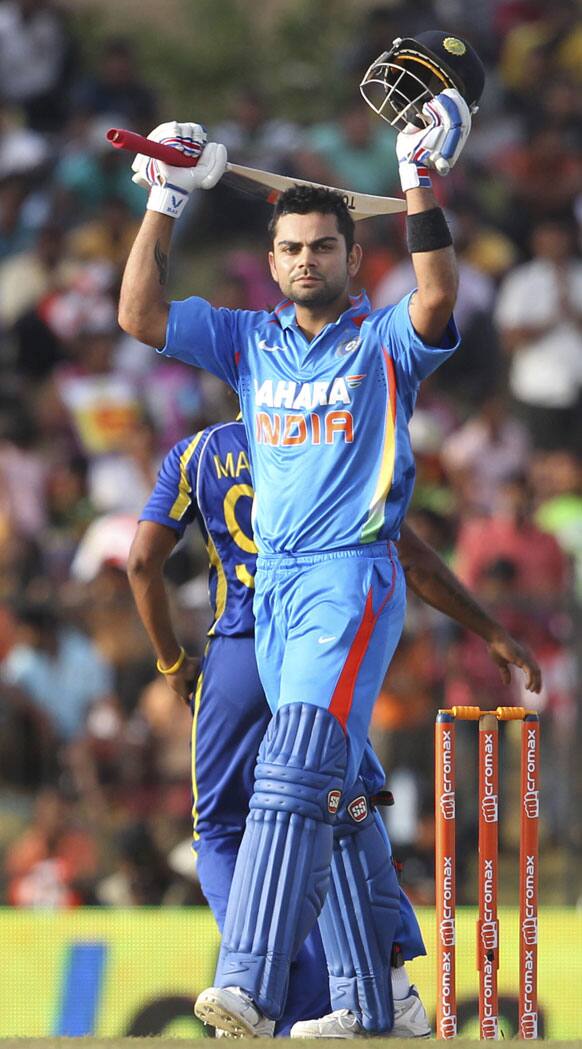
{"x":436,"y":146}
{"x":170,"y":186}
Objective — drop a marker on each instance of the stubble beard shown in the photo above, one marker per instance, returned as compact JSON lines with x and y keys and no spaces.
{"x":318,"y":297}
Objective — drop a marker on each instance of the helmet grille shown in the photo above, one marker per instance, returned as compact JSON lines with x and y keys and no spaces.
{"x":396,"y":87}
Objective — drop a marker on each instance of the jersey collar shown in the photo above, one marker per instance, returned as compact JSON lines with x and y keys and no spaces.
{"x":358,"y":309}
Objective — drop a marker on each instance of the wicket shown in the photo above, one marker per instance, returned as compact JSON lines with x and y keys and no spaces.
{"x":445,"y":868}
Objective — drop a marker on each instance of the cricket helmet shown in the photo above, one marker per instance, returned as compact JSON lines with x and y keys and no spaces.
{"x":415,"y":69}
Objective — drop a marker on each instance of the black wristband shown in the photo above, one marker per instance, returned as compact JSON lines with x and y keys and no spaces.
{"x":427,"y":231}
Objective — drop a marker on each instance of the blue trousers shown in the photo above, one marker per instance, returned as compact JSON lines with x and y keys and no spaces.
{"x":230,"y":717}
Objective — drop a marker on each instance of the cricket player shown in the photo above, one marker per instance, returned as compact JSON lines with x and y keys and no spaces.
{"x":327,"y":387}
{"x":205,"y":479}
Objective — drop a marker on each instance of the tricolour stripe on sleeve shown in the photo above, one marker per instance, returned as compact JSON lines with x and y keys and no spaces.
{"x":375,"y":518}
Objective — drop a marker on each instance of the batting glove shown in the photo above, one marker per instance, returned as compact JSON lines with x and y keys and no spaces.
{"x":436,"y":146}
{"x":169,"y":187}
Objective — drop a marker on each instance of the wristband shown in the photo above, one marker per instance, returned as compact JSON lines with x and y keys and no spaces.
{"x":175,"y":666}
{"x":427,"y":231}
{"x":168,"y":200}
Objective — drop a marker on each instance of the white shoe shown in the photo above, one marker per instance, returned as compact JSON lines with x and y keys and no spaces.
{"x":233,"y":1011}
{"x":340,"y":1024}
{"x":410,"y":1021}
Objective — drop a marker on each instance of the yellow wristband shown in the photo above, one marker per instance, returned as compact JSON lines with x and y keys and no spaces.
{"x":175,"y":666}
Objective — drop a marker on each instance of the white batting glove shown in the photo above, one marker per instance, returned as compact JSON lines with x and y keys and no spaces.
{"x":169,"y":187}
{"x":436,"y":146}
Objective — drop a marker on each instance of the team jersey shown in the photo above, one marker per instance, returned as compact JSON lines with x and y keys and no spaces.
{"x":206,"y":478}
{"x":326,"y":419}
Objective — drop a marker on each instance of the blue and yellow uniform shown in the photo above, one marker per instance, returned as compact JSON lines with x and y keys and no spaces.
{"x":333,"y":471}
{"x":205,"y":479}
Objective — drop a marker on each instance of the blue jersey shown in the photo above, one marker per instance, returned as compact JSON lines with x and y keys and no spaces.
{"x":207,"y":478}
{"x":326,"y":420}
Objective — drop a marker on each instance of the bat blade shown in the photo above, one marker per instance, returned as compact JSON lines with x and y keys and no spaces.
{"x":268,"y":185}
{"x":361,"y":205}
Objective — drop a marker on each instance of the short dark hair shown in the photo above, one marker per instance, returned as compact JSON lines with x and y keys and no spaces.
{"x":300,"y":200}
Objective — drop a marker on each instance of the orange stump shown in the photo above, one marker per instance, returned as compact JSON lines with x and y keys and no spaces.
{"x":528,"y":877}
{"x":445,"y":871}
{"x":487,"y":925}
{"x":445,"y":868}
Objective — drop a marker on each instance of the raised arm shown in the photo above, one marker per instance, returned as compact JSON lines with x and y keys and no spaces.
{"x":436,"y":273}
{"x":422,"y":152}
{"x":143,"y":308}
{"x":430,"y":579}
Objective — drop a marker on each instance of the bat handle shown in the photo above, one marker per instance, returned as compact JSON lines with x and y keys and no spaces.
{"x":121,"y":139}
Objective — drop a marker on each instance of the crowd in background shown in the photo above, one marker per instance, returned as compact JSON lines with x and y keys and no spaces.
{"x":95,"y":792}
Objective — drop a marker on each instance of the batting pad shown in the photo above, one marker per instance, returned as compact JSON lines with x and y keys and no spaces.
{"x":361,"y":914}
{"x":282,"y":870}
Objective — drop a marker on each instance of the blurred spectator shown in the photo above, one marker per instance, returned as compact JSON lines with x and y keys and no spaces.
{"x":116,"y":89}
{"x":27,"y":741}
{"x":558,"y":478}
{"x":89,"y":172}
{"x":539,"y":315}
{"x":35,"y":60}
{"x":23,"y":152}
{"x":543,"y":175}
{"x":23,"y":472}
{"x":122,"y":481}
{"x":562,"y":108}
{"x":107,"y":238}
{"x":478,"y":243}
{"x":379,"y":26}
{"x":509,"y":534}
{"x":252,"y":136}
{"x":169,"y":722}
{"x":58,"y":667}
{"x":474,"y":370}
{"x":483,"y":453}
{"x":245,"y":284}
{"x":26,"y":278}
{"x":550,"y":41}
{"x":102,"y":404}
{"x":355,"y":151}
{"x":54,"y":862}
{"x":143,"y":877}
{"x":69,"y":511}
{"x":100,"y":596}
{"x":18,"y":224}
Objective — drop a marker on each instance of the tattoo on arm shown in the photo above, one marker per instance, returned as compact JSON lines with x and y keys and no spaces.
{"x":161,"y":262}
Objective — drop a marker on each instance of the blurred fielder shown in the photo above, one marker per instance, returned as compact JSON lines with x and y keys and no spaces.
{"x":326,"y":388}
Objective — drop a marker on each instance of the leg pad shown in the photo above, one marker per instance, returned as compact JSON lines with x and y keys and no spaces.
{"x":361,"y":914}
{"x":282,"y":870}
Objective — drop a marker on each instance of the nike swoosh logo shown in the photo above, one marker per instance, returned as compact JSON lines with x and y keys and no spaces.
{"x":325,"y":640}
{"x":264,"y":345}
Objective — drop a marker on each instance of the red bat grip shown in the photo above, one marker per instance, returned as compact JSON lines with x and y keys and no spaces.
{"x":121,"y":139}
